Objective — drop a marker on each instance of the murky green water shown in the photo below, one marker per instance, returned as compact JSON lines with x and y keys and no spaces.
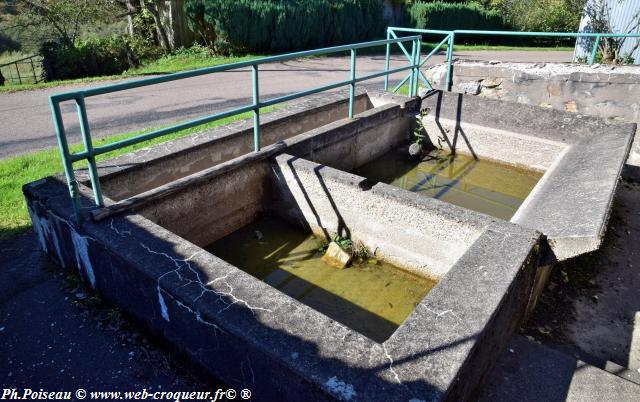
{"x":372,"y":299}
{"x":484,"y":186}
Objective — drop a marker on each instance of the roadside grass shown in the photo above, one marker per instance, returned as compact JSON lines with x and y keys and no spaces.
{"x":164,"y":65}
{"x":19,"y":170}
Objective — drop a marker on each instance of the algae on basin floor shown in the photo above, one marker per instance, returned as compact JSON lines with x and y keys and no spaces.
{"x":485,"y":186}
{"x":373,"y":299}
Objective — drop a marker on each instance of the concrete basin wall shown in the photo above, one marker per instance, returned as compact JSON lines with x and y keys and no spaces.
{"x":611,"y":92}
{"x":581,"y":155}
{"x":152,"y":167}
{"x":422,"y":235}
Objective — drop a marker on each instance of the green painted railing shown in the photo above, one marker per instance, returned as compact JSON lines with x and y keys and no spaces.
{"x":90,"y":152}
{"x":449,"y":39}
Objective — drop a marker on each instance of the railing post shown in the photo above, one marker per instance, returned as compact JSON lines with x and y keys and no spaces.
{"x":256,"y":105}
{"x":88,"y":147}
{"x":33,"y":71}
{"x":66,"y":159}
{"x":449,"y":61}
{"x":416,"y":68}
{"x":594,"y":51}
{"x":18,"y":71}
{"x":352,"y":85}
{"x":387,"y":61}
{"x":412,"y":72}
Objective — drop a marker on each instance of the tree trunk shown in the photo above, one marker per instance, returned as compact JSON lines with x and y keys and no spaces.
{"x":131,"y":10}
{"x":163,"y":39}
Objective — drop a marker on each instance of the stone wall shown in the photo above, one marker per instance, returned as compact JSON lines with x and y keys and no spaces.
{"x":612,"y":92}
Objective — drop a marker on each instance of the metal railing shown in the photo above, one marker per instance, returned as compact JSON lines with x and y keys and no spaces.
{"x":90,"y":152}
{"x":449,"y":39}
{"x":12,"y":71}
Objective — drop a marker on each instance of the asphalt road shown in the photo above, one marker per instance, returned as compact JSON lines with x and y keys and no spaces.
{"x":25,"y":117}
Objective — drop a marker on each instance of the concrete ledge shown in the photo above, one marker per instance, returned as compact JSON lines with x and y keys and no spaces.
{"x":582,"y":157}
{"x":422,"y":235}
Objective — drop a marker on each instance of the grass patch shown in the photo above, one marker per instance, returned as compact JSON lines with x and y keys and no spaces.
{"x":19,"y":170}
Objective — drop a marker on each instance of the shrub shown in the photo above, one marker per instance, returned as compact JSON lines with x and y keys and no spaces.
{"x":102,"y":56}
{"x":284,"y":25}
{"x":449,"y":16}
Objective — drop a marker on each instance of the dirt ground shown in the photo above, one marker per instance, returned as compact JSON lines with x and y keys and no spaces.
{"x":591,"y":306}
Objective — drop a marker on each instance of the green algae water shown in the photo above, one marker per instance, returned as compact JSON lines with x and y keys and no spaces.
{"x":485,"y":186}
{"x":373,"y":299}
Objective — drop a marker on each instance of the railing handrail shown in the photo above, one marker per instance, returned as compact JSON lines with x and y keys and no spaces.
{"x":20,"y":60}
{"x":90,"y":152}
{"x":105,"y":89}
{"x":517,"y":33}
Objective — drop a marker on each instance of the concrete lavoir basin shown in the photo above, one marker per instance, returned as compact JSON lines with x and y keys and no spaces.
{"x":150,"y":258}
{"x":582,"y":158}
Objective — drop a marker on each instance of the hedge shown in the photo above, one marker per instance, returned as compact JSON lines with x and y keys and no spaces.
{"x":285,"y":25}
{"x":92,"y":57}
{"x":449,"y":16}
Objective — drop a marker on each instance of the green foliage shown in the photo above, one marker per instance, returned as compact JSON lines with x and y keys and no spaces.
{"x":8,"y":44}
{"x":449,"y":16}
{"x":36,"y":21}
{"x":279,"y":26}
{"x":542,"y":15}
{"x":418,"y":135}
{"x":345,"y":243}
{"x":103,"y":56}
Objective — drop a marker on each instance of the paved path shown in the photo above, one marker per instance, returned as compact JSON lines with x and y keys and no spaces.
{"x":26,"y":118}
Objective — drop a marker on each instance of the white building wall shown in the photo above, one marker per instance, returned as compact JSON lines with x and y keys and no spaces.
{"x":621,"y":12}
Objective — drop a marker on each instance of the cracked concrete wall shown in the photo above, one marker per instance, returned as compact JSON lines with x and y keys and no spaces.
{"x":611,"y":92}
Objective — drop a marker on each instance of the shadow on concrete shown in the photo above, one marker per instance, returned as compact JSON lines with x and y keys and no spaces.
{"x":444,"y":136}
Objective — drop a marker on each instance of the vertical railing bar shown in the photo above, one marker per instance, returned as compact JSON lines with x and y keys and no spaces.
{"x":33,"y":70}
{"x":412,"y":72}
{"x":256,"y":110}
{"x":594,"y":51}
{"x":88,"y":147}
{"x":449,"y":62}
{"x":352,"y":85}
{"x":387,"y":62}
{"x":18,"y":71}
{"x":416,"y":68}
{"x":66,"y":160}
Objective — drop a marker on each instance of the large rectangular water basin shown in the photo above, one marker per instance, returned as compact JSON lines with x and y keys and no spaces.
{"x":185,"y":257}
